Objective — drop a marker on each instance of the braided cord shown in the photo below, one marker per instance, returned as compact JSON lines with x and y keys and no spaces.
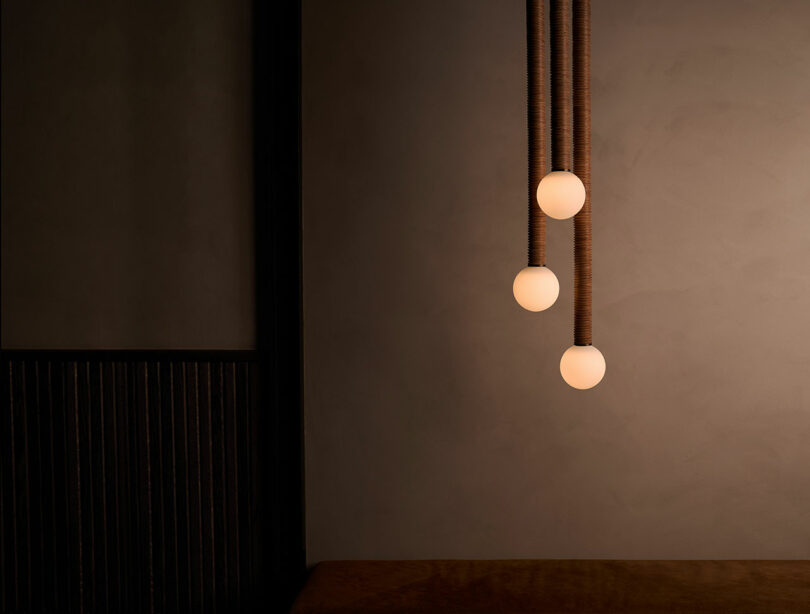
{"x":582,"y":167}
{"x":561,"y":85}
{"x":536,"y":90}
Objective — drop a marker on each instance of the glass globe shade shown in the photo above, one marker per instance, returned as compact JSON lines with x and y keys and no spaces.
{"x":582,"y":366}
{"x":536,"y":288}
{"x":561,"y":195}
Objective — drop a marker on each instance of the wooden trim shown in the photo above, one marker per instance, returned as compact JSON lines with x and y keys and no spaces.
{"x":277,"y":189}
{"x":129,"y":355}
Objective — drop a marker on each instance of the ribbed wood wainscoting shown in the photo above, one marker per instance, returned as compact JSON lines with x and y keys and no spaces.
{"x":127,"y":481}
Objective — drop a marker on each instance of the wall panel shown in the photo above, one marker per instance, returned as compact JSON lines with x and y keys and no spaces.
{"x":127,"y":481}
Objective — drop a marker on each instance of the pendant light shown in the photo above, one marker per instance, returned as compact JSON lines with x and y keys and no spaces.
{"x":561,"y":193}
{"x":566,"y":191}
{"x":536,"y":287}
{"x":582,"y":365}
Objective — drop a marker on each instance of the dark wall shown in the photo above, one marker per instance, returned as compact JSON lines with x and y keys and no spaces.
{"x":126,"y":175}
{"x":150,"y":199}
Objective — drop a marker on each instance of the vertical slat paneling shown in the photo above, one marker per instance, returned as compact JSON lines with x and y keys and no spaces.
{"x":98,"y":479}
{"x":36,"y":583}
{"x":4,"y":532}
{"x":158,"y":509}
{"x":172,"y":577}
{"x":110,"y":446}
{"x":183,"y":514}
{"x":220,"y":485}
{"x":10,"y":461}
{"x":142,"y":445}
{"x":74,"y":486}
{"x":118,"y":472}
{"x":207,"y":494}
{"x":194,"y":490}
{"x":23,"y":475}
{"x":49,"y":464}
{"x":127,"y":486}
{"x":231,"y":476}
{"x":128,"y":561}
{"x":67,"y":582}
{"x":242,"y":423}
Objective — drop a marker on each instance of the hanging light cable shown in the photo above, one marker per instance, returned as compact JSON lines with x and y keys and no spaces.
{"x":561,"y":193}
{"x":536,"y":287}
{"x":582,"y":365}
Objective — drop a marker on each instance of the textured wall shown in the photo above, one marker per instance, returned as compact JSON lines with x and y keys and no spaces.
{"x":437,"y":423}
{"x":126,"y":175}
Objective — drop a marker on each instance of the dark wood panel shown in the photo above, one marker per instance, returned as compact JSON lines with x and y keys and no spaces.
{"x":127,"y":485}
{"x":277,"y":193}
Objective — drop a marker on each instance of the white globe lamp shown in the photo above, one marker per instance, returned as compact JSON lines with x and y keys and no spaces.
{"x":561,"y":194}
{"x":582,"y":366}
{"x":536,"y":288}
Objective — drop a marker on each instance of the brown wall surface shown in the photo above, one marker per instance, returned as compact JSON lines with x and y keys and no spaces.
{"x":126,"y":175}
{"x":437,"y":424}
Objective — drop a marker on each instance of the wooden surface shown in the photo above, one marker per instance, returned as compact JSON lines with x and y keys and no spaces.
{"x":519,"y":586}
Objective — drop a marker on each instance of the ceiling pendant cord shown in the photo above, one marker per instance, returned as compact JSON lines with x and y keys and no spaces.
{"x":582,"y":168}
{"x":582,"y":365}
{"x":561,"y":158}
{"x":536,"y":287}
{"x":536,"y":97}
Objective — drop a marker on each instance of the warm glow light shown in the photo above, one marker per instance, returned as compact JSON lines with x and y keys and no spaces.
{"x":561,"y":195}
{"x":582,"y":366}
{"x":536,"y":288}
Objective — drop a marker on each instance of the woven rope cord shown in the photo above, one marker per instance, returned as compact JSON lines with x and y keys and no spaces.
{"x":561,"y":85}
{"x":536,"y":95}
{"x":582,"y":167}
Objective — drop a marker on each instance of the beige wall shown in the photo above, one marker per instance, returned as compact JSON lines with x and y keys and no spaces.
{"x":126,"y":175}
{"x":437,"y":424}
